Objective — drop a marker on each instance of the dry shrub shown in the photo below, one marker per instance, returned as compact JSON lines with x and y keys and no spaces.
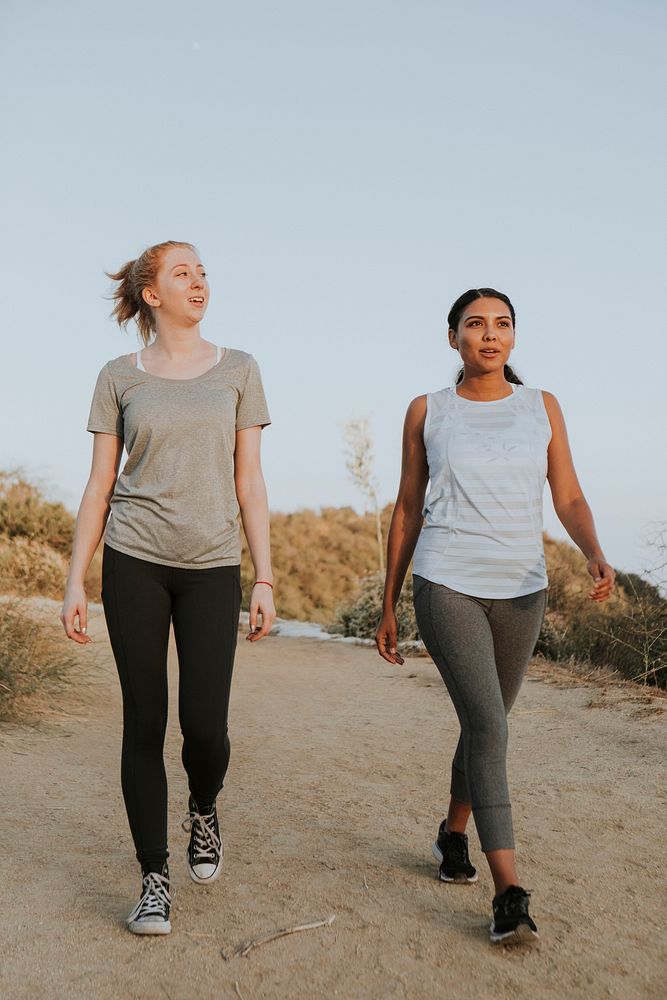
{"x":326,"y":569}
{"x":361,"y":616}
{"x":93,"y":581}
{"x":36,"y":538}
{"x":627,"y":633}
{"x":31,"y":567}
{"x":24,"y":513}
{"x":318,"y":559}
{"x":35,"y":662}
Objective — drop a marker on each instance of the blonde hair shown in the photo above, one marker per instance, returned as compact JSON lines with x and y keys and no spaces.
{"x":132,"y":278}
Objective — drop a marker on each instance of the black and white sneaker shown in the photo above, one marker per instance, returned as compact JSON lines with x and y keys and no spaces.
{"x":151,"y":914}
{"x":205,"y":852}
{"x":451,"y":850}
{"x":511,"y":922}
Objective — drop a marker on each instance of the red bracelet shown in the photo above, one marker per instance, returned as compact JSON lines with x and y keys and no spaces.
{"x":263,"y":581}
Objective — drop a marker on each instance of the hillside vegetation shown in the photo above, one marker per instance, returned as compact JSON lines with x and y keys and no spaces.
{"x":326,"y":570}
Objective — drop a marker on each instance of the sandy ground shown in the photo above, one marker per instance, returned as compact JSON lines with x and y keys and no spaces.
{"x":338,"y":780}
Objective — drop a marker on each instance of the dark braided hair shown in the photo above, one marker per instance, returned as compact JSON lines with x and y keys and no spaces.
{"x":456,"y":312}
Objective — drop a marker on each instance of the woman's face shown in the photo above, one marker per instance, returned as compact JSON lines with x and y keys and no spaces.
{"x":485,"y":336}
{"x":180,"y":289}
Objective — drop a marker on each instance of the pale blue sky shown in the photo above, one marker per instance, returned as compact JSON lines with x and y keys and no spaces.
{"x":346,"y":170}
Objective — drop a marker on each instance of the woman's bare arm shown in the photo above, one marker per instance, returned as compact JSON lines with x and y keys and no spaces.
{"x":254,"y":506}
{"x":90,"y":523}
{"x":405,"y":524}
{"x":570,"y":504}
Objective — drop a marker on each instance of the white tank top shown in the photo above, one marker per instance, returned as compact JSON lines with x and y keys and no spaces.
{"x":482,"y":533}
{"x":141,"y":368}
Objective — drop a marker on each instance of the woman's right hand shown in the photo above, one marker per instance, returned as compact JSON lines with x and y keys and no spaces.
{"x":385,"y":638}
{"x":75,"y":603}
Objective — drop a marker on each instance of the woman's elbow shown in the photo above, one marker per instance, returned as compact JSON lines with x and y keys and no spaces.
{"x":248,"y":490}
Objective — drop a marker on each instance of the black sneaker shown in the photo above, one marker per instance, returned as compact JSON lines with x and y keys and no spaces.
{"x":205,"y":852}
{"x":511,"y":922}
{"x":151,"y":914}
{"x":451,"y":850}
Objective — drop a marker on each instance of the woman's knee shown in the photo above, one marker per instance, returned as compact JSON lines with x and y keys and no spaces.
{"x":148,"y":728}
{"x":488,"y":733}
{"x":203,"y":738}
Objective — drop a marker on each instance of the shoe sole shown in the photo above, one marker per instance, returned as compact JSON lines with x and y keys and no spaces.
{"x":203,"y":881}
{"x":137,"y":927}
{"x":458,"y":879}
{"x":521,"y":935}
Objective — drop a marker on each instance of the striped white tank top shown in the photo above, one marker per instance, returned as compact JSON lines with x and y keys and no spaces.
{"x":482,"y":533}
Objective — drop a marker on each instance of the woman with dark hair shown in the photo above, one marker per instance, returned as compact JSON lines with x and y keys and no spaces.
{"x":190,"y":416}
{"x":484,"y":446}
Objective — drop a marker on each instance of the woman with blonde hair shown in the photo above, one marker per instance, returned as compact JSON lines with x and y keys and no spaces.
{"x":190,"y":415}
{"x":484,"y":447}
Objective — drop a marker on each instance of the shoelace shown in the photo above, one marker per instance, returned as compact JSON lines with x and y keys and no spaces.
{"x":457,"y":849}
{"x":514,"y":900}
{"x":155,"y":897}
{"x":206,"y":841}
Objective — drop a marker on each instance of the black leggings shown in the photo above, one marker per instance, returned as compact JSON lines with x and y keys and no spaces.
{"x":140,"y":599}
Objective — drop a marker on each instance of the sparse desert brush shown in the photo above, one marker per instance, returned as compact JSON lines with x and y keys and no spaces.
{"x":35,"y":659}
{"x":326,"y":569}
{"x":24,"y":513}
{"x":628,"y":632}
{"x":569,"y":579}
{"x":318,"y":559}
{"x":361,"y":615}
{"x":31,"y":567}
{"x":36,"y":538}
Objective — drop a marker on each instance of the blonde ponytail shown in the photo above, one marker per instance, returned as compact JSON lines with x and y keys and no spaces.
{"x":132,"y":278}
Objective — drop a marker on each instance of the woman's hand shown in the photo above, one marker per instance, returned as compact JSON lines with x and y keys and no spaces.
{"x":385,"y":638}
{"x":604,"y":576}
{"x":261,"y":602}
{"x":75,"y":603}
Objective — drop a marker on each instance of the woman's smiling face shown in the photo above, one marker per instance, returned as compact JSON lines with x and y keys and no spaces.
{"x":484,"y":336}
{"x":180,"y":289}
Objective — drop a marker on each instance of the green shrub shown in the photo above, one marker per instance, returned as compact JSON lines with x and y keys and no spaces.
{"x":361,"y":616}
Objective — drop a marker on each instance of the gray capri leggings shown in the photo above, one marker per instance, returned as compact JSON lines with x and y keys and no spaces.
{"x":481,"y":646}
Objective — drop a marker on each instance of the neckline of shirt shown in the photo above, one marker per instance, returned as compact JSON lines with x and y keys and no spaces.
{"x":164,"y":378}
{"x":484,"y":402}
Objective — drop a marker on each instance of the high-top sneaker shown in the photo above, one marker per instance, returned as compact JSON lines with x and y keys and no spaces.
{"x":205,"y":852}
{"x":151,"y":914}
{"x":511,"y":922}
{"x":451,"y":850}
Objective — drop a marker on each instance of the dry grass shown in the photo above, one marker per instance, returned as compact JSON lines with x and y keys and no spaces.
{"x":25,"y":513}
{"x":319,"y":558}
{"x":326,"y":569}
{"x":36,"y":538}
{"x":36,"y":661}
{"x":627,"y":634}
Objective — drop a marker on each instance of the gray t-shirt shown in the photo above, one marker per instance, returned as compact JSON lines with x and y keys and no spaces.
{"x":174,"y":501}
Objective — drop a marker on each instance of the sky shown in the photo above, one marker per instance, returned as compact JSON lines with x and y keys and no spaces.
{"x":346,"y":170}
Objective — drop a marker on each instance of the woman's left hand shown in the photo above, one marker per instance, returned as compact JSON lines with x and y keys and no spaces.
{"x":261,"y":603}
{"x":603,"y":575}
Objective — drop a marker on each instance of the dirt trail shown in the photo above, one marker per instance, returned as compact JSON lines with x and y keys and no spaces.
{"x":338,"y":780}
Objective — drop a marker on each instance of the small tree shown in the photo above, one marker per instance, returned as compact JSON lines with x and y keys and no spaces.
{"x":359,"y":464}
